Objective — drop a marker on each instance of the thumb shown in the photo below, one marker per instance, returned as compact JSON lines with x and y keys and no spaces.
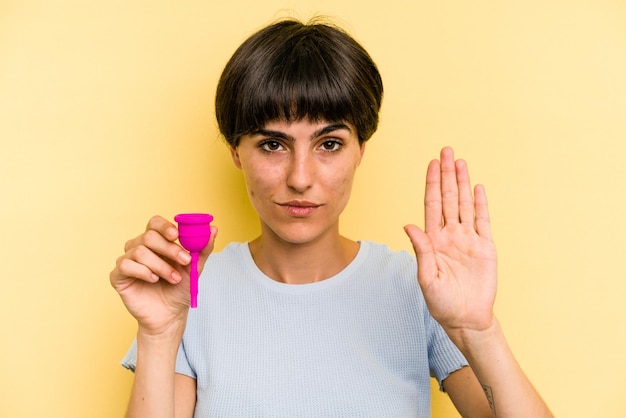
{"x":424,"y":251}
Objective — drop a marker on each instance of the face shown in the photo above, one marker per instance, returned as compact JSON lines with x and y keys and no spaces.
{"x":299,"y":176}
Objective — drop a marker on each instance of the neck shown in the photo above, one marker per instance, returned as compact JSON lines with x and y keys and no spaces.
{"x":302,"y":263}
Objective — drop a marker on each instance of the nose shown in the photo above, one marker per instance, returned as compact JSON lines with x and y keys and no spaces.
{"x":301,"y":172}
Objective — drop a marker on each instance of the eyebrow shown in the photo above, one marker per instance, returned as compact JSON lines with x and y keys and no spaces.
{"x":322,"y":131}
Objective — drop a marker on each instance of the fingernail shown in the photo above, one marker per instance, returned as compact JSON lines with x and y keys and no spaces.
{"x":172,"y":233}
{"x":176,"y":277}
{"x":184,"y":257}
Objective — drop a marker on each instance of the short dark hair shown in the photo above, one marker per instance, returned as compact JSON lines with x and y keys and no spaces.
{"x":293,"y":71}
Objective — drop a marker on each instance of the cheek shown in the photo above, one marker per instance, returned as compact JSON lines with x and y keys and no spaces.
{"x":259,"y":186}
{"x":342,"y":184}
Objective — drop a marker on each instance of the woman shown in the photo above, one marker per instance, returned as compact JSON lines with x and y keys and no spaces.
{"x":302,"y":321}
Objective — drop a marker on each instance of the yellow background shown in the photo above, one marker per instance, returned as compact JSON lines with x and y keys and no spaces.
{"x":106,"y":117}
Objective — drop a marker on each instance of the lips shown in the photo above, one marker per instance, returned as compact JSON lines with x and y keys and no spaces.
{"x":299,"y":208}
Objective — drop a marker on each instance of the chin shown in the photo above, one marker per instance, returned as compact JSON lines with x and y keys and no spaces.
{"x":297,"y":234}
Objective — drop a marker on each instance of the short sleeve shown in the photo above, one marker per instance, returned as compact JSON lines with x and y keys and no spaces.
{"x":130,"y":359}
{"x":443,"y":356}
{"x":182,"y":364}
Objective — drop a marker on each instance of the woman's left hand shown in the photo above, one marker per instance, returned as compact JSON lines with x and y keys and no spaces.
{"x":455,"y":252}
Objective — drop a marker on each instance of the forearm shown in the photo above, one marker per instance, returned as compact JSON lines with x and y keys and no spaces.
{"x":153,"y":389}
{"x":507,"y":388}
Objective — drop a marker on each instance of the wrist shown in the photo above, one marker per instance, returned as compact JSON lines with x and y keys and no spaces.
{"x":471,"y":341}
{"x":158,"y":351}
{"x":169,"y":333}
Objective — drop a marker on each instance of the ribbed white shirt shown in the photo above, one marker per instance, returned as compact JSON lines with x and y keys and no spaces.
{"x":359,"y":344}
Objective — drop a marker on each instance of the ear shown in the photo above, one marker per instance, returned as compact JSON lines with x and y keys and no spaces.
{"x":234,"y":154}
{"x":362,"y":151}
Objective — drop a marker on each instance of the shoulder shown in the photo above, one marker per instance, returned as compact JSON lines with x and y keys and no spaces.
{"x":391,"y":271}
{"x":232,"y":253}
{"x":230,"y":261}
{"x":232,"y":249}
{"x":382,"y":257}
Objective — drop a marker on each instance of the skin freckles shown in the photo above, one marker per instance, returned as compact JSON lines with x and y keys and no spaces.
{"x":299,"y":176}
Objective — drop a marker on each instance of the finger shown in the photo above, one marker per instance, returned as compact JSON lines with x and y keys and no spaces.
{"x":426,"y":264}
{"x":164,"y":248}
{"x":127,"y":268}
{"x":165,"y":259}
{"x":483,"y":223}
{"x":157,"y":224}
{"x":466,"y":201}
{"x":154,"y":263}
{"x":449,"y":187}
{"x":164,"y":227}
{"x":432,"y":198}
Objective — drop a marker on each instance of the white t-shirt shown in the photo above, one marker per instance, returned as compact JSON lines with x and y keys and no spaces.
{"x":359,"y":344}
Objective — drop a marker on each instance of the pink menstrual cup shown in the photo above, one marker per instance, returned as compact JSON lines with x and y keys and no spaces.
{"x":194,"y":232}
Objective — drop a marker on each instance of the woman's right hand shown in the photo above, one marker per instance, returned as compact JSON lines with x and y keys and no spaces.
{"x":152,"y":277}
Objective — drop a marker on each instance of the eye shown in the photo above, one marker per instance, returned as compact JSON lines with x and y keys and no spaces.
{"x":331,"y":145}
{"x":270,"y":145}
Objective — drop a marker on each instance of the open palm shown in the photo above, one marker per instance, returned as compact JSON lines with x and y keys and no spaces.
{"x":455,"y":252}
